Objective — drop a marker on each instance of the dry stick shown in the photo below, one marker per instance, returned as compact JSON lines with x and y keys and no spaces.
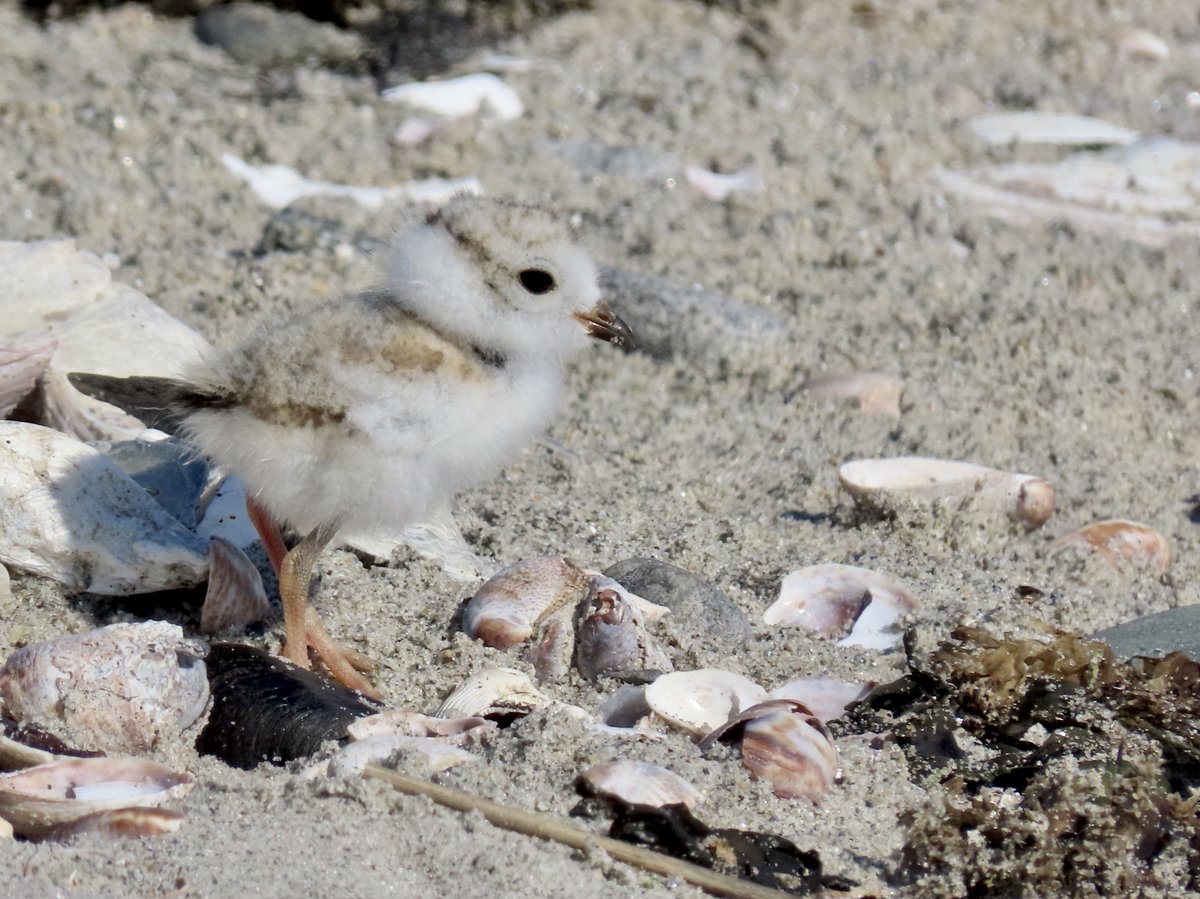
{"x":560,"y":832}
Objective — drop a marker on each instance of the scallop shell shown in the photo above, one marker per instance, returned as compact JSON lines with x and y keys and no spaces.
{"x":639,"y":783}
{"x":68,"y":513}
{"x":877,"y":393}
{"x":125,"y":687}
{"x":824,"y":697}
{"x":888,"y":485}
{"x":700,"y":701}
{"x":784,"y":743}
{"x":1121,"y":543}
{"x":1056,"y":128}
{"x":236,"y":596}
{"x":493,"y":693}
{"x":612,"y":638}
{"x":38,"y":800}
{"x":859,"y":605}
{"x":508,"y":608}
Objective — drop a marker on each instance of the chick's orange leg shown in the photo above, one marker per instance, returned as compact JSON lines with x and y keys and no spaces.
{"x":268,"y":532}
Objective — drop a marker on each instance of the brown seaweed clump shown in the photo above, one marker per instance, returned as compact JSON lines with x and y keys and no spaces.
{"x":1052,"y":768}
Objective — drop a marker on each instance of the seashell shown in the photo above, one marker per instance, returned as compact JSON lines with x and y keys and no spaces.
{"x":1139,"y":43}
{"x":20,"y":368}
{"x":125,"y":687}
{"x":68,"y":513}
{"x":38,"y":800}
{"x":493,"y":693}
{"x":648,"y":610}
{"x":612,"y":638}
{"x":435,"y":754}
{"x":784,"y":743}
{"x":639,"y":783}
{"x":702,"y":700}
{"x":515,"y":601}
{"x":279,"y":185}
{"x":1120,"y":543}
{"x":169,"y":470}
{"x":414,"y":724}
{"x":714,"y":186}
{"x":887,"y":485}
{"x":123,"y":823}
{"x":268,"y":710}
{"x":236,"y":596}
{"x":1056,"y":128}
{"x":461,"y":96}
{"x":857,"y":604}
{"x":6,"y":830}
{"x":824,"y":697}
{"x":877,"y":393}
{"x":29,"y":745}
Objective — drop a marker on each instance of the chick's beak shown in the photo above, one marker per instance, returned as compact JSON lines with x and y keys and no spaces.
{"x":604,"y":324}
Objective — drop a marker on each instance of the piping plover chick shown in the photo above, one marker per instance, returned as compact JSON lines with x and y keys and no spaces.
{"x":368,"y":412}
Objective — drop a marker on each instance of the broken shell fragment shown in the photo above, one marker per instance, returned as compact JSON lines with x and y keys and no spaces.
{"x":433,"y":754}
{"x":700,"y":701}
{"x":639,"y":783}
{"x":1121,"y":543}
{"x":124,"y":688}
{"x":38,"y":800}
{"x":508,"y":608}
{"x":236,"y":596}
{"x":121,"y":823}
{"x":494,"y":693}
{"x":784,"y":743}
{"x":612,"y":638}
{"x":414,"y":724}
{"x":892,"y":485}
{"x":716,"y":186}
{"x":826,"y":698}
{"x":858,"y":605}
{"x":1138,"y":43}
{"x":68,"y":513}
{"x":464,"y":95}
{"x":1056,"y":128}
{"x":877,"y":393}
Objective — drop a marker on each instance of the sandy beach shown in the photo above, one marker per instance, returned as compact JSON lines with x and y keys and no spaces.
{"x":1037,"y":346}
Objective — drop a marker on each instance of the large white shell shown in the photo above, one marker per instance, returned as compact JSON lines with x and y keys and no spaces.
{"x":639,"y":783}
{"x":1121,"y":543}
{"x":464,"y":95}
{"x":124,"y":688}
{"x":700,"y":701}
{"x":38,"y":800}
{"x":1058,"y":128}
{"x":493,"y":692}
{"x":859,"y":605}
{"x":68,"y":513}
{"x":506,"y":610}
{"x":785,"y":744}
{"x":961,"y":487}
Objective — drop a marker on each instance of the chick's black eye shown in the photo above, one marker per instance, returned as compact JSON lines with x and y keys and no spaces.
{"x":536,"y":280}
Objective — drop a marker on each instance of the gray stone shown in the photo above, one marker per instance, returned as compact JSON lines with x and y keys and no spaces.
{"x":703,"y":620}
{"x":261,"y":36}
{"x":1175,"y":630}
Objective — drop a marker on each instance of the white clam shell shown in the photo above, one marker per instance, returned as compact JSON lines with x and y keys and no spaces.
{"x":125,"y":687}
{"x":1056,"y":128}
{"x":38,"y":800}
{"x":824,"y":697}
{"x":877,"y":393}
{"x":70,"y":514}
{"x":700,"y":701}
{"x":236,"y":596}
{"x":1121,"y":543}
{"x":961,"y":487}
{"x":493,"y":692}
{"x":785,"y":744}
{"x":508,"y":608}
{"x":464,"y":95}
{"x":858,"y":605}
{"x":639,"y":783}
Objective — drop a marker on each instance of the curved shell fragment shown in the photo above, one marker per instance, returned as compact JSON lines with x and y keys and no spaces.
{"x":1121,"y":543}
{"x":889,"y":485}
{"x":38,"y":800}
{"x":858,"y":605}
{"x":68,"y":513}
{"x":639,"y":783}
{"x":1056,"y":128}
{"x":236,"y":596}
{"x":20,"y":368}
{"x":702,"y":700}
{"x":515,"y":601}
{"x":493,"y":692}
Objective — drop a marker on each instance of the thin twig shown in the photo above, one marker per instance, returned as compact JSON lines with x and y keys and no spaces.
{"x":561,"y":832}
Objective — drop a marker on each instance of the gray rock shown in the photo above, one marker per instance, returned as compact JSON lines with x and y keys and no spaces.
{"x":169,"y":470}
{"x":702,"y":326}
{"x":261,"y":36}
{"x":1175,"y":630}
{"x":703,"y":620}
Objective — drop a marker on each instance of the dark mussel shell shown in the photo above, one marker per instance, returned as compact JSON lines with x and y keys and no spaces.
{"x":265,"y":709}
